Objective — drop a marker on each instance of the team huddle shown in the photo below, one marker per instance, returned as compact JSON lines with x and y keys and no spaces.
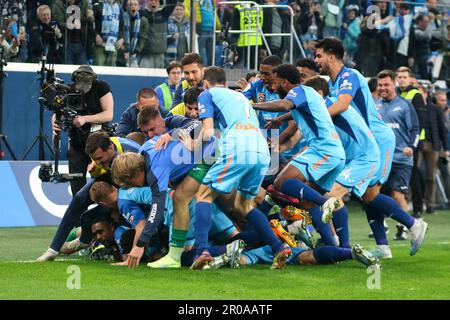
{"x":250,"y":178}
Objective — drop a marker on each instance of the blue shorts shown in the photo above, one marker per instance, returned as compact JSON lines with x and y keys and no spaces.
{"x":264,"y":255}
{"x":399,"y":178}
{"x":358,"y":174}
{"x":318,"y":168}
{"x":386,"y":144}
{"x":244,"y":172}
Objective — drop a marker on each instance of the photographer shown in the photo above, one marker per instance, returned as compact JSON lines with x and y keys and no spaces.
{"x":45,"y":37}
{"x":97,"y":109}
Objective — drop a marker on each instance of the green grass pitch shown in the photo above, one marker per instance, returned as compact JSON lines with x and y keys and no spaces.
{"x":423,"y":276}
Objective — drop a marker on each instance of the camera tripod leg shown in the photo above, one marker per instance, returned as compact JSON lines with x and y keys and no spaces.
{"x":30,"y":147}
{"x":3,"y":139}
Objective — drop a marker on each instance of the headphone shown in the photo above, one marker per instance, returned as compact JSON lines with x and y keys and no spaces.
{"x":84,"y":68}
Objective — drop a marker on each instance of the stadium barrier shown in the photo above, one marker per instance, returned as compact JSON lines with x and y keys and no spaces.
{"x":25,"y":201}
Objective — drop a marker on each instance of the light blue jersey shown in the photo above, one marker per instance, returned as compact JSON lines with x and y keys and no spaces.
{"x":257,"y":92}
{"x":355,"y":135}
{"x":361,"y":150}
{"x":350,"y":81}
{"x":244,"y":154}
{"x":324,"y":158}
{"x":314,"y":121}
{"x":235,"y":118}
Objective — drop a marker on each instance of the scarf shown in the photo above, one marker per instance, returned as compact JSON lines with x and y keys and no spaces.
{"x":129,"y":34}
{"x":110,"y":25}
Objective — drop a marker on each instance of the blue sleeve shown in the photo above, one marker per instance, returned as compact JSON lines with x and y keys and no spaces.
{"x":158,"y":180}
{"x":131,"y":211}
{"x":124,"y":126}
{"x":205,"y":106}
{"x":349,"y":84}
{"x":249,"y":92}
{"x":412,"y":123}
{"x":296,"y":97}
{"x":129,"y":145}
{"x":159,"y":94}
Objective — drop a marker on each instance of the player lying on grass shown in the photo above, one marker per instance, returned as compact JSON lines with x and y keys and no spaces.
{"x":134,"y":205}
{"x":102,"y":149}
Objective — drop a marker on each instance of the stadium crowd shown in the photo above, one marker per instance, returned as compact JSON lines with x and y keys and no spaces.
{"x":202,"y":175}
{"x":149,"y":33}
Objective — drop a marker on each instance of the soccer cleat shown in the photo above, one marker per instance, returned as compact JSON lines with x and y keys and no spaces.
{"x":282,"y":234}
{"x":327,"y":209}
{"x":100,"y":252}
{"x":382,"y":252}
{"x":73,"y":246}
{"x":292,"y":213}
{"x":402,"y":232}
{"x":417,"y":232}
{"x":48,"y":255}
{"x":165,"y":262}
{"x":279,"y":259}
{"x":281,"y":197}
{"x":234,"y":251}
{"x":300,"y":231}
{"x":203,"y":261}
{"x":364,"y":256}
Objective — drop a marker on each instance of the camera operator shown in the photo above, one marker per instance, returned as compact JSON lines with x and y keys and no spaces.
{"x":97,"y":110}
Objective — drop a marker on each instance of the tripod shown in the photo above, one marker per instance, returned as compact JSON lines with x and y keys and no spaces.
{"x":41,"y":137}
{"x":2,"y":136}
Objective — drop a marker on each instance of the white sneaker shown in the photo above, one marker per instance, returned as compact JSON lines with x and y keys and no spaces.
{"x":382,"y":252}
{"x":417,"y":232}
{"x":327,"y":209}
{"x":73,"y":246}
{"x":48,"y":255}
{"x":234,"y":251}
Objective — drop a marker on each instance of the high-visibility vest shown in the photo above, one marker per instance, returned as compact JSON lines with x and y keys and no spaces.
{"x":179,"y":110}
{"x":409,"y":95}
{"x":247,"y":13}
{"x":99,"y":170}
{"x":167,"y":95}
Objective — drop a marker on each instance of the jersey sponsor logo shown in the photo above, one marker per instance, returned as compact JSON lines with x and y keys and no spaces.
{"x":346,"y":85}
{"x":292,"y":94}
{"x":201,"y":108}
{"x":394,"y":125}
{"x":261,"y":97}
{"x":151,"y":217}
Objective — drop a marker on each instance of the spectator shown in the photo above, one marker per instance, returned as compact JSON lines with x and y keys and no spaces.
{"x":369,"y":54}
{"x":45,"y":37}
{"x":439,"y":35}
{"x":332,"y":12}
{"x":433,"y":144}
{"x":10,"y":44}
{"x":441,"y":101}
{"x":309,"y":45}
{"x":423,"y":34}
{"x":402,"y":32}
{"x":166,"y":90}
{"x":135,"y":33}
{"x":273,"y":23}
{"x":311,"y":18}
{"x":152,"y":55}
{"x":77,"y":40}
{"x":352,"y":31}
{"x":178,"y":35}
{"x":204,"y":15}
{"x":108,"y":32}
{"x":146,"y":98}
